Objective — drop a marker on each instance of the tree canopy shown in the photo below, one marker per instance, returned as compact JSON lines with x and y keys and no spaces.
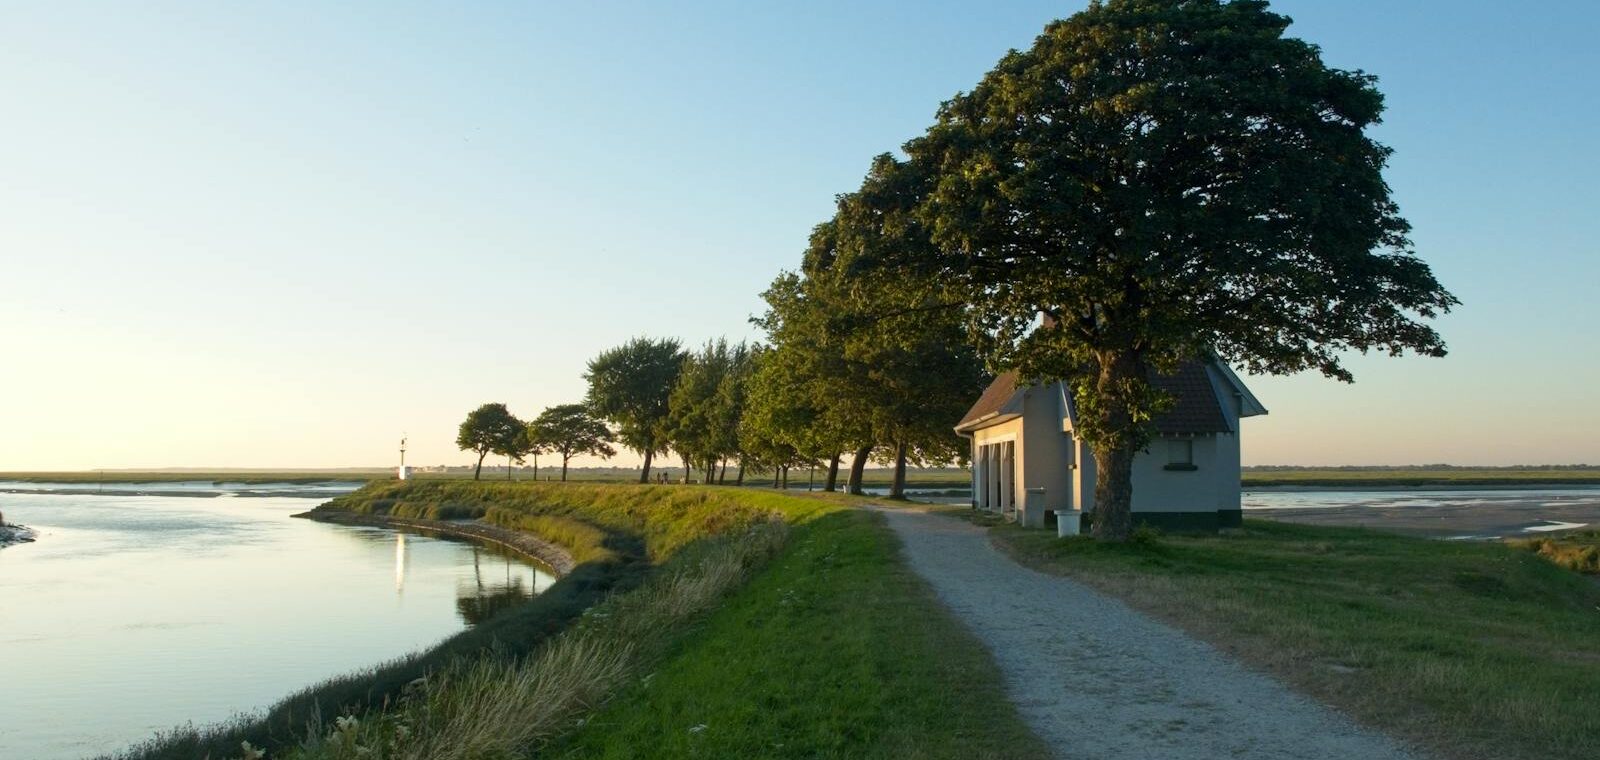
{"x":1164,"y":180}
{"x":631,"y":386}
{"x":491,"y":428}
{"x":570,"y":430}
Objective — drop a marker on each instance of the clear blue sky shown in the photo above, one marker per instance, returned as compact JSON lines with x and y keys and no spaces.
{"x":281,"y":235}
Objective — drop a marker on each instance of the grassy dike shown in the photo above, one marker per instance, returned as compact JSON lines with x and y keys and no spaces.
{"x":854,"y":657}
{"x":1475,"y":649}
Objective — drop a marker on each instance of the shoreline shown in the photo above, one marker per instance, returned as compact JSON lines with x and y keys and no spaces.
{"x":1392,"y":485}
{"x":546,"y":553}
{"x":16,"y":534}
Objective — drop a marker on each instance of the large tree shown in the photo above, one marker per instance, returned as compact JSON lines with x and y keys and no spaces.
{"x":570,"y":430}
{"x":1165,"y":180}
{"x":630,"y":386}
{"x":917,"y":373}
{"x":490,"y":429}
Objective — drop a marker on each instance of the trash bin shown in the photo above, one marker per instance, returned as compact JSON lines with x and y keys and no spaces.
{"x":1068,"y":522}
{"x":1033,"y":509}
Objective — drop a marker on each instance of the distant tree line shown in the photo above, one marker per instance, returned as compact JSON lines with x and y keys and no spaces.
{"x":832,"y":383}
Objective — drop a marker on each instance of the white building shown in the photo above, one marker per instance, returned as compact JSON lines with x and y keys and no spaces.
{"x":1028,"y":463}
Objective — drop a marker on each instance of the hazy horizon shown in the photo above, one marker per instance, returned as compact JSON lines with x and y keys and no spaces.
{"x":291,"y":234}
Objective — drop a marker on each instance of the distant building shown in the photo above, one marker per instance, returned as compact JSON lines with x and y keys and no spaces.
{"x":1028,"y":463}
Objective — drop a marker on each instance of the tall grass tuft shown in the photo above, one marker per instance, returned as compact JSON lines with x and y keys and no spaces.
{"x":1577,"y":551}
{"x":498,"y":707}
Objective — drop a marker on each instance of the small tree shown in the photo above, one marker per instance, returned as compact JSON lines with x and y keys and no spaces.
{"x":490,"y":429}
{"x":630,"y":386}
{"x":570,"y":430}
{"x":533,"y":446}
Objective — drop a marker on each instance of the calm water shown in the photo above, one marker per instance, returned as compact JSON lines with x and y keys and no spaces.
{"x":135,"y":613}
{"x":1378,"y":498}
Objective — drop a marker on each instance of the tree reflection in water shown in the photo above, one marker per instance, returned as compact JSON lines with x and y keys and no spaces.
{"x":484,"y":599}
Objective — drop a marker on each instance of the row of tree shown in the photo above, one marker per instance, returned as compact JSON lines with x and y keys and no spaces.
{"x":831,"y":384}
{"x":1154,"y":182}
{"x":567,"y":431}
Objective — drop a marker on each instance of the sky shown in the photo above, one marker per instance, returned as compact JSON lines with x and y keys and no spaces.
{"x":286,"y":234}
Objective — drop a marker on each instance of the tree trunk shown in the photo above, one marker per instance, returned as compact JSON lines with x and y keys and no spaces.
{"x":564,"y":459}
{"x":811,"y":479}
{"x":857,"y":466}
{"x":536,"y":468}
{"x":508,"y":468}
{"x":644,"y":475}
{"x":739,"y":480}
{"x":898,"y":489}
{"x":832,"y":484}
{"x":722,"y":477}
{"x":775,"y":469}
{"x":786,"y":477}
{"x":477,"y":473}
{"x":687,"y":473}
{"x":1118,"y":438}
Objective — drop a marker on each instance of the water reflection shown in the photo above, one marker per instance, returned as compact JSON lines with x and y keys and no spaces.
{"x":399,"y":563}
{"x":102,"y":642}
{"x":478,"y":605}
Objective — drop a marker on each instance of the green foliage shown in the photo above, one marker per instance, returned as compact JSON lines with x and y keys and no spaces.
{"x":631,"y":386}
{"x":570,"y":430}
{"x":1163,"y":179}
{"x":491,"y":428}
{"x":707,"y":404}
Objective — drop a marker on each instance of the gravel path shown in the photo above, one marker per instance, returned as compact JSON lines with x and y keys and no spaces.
{"x":1098,"y":680}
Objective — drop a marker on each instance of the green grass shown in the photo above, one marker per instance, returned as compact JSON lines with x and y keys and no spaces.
{"x":651,"y":520}
{"x":1477,"y":650}
{"x":836,"y":650}
{"x":1335,"y":477}
{"x":498,"y":706}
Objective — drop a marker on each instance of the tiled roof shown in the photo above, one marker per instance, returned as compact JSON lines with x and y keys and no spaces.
{"x":993,"y":399}
{"x":1196,"y":411}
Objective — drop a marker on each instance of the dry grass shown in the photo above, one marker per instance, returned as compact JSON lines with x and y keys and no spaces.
{"x":1578,"y":551}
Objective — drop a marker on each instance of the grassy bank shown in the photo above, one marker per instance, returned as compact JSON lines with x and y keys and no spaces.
{"x":1478,"y":650}
{"x":832,"y":647}
{"x":837,"y":650}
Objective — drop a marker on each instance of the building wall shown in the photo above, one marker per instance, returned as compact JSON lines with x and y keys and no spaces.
{"x":1050,"y":456}
{"x":1158,"y":489}
{"x":1001,"y":433}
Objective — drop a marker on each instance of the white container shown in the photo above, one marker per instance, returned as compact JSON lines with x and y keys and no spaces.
{"x":1067,"y":522}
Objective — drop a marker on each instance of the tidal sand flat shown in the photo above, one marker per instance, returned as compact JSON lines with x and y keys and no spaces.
{"x":1436,"y":513}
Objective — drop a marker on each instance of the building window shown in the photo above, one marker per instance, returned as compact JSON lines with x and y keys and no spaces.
{"x":1180,"y":454}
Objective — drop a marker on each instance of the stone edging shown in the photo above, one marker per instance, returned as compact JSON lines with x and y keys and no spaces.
{"x":552,"y":555}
